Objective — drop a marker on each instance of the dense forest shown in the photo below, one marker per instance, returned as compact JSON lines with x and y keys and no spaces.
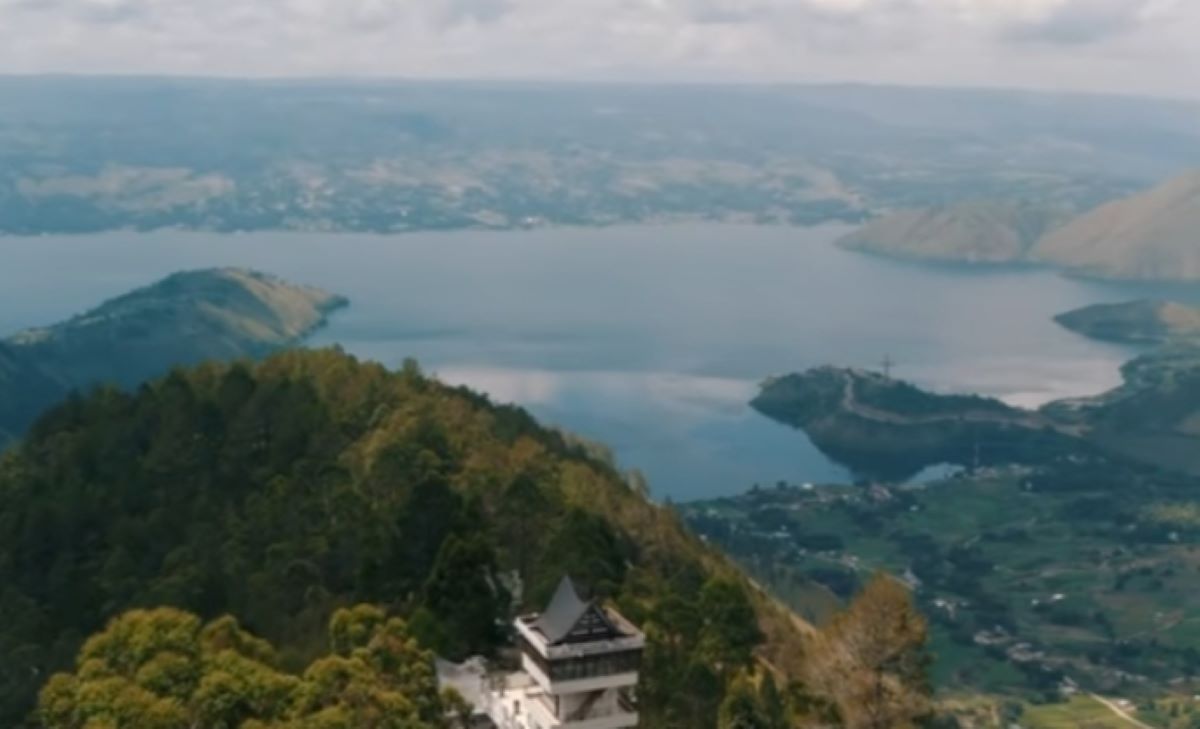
{"x":283,"y":491}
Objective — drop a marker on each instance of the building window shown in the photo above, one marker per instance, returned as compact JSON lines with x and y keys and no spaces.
{"x":610,"y":664}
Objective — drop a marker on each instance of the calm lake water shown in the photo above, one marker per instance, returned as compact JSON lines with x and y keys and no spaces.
{"x":651,"y":339}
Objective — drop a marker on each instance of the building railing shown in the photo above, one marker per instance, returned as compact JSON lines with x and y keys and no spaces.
{"x":636,"y":641}
{"x":623,"y":706}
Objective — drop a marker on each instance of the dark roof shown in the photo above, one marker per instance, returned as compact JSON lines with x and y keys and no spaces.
{"x":569,"y":618}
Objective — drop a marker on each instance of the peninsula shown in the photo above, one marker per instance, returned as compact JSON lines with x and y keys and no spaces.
{"x":884,"y":428}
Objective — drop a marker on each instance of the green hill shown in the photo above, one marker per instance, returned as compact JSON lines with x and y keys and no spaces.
{"x":184,"y":319}
{"x":281,"y":491}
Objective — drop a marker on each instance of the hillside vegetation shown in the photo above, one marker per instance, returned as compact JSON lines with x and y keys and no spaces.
{"x":25,"y":390}
{"x":282,"y":491}
{"x":186,"y":318}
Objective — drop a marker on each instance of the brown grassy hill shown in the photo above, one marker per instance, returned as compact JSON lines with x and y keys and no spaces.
{"x":975,"y":232}
{"x":1154,"y":235}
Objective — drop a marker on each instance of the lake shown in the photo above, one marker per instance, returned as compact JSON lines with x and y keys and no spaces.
{"x":649,"y":338}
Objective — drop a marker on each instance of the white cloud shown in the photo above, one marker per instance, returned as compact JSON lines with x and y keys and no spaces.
{"x":1084,"y":21}
{"x":1128,"y":45}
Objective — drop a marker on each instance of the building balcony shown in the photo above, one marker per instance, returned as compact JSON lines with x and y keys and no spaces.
{"x":582,"y":684}
{"x":622,"y":716}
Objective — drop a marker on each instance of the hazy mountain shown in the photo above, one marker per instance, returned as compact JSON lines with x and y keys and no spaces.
{"x":184,"y":319}
{"x":987,"y":231}
{"x":1153,"y":235}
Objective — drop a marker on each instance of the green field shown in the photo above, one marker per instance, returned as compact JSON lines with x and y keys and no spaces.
{"x":1080,"y":713}
{"x":1033,"y":579}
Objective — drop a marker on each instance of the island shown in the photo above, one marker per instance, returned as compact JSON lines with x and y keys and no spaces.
{"x":184,"y":319}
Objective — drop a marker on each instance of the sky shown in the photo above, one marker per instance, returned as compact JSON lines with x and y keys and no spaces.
{"x":1127,"y":46}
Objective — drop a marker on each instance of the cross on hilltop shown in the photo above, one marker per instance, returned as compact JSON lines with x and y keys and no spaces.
{"x":887,"y":364}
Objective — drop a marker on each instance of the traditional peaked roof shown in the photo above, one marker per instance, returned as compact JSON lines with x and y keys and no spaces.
{"x":571,"y":619}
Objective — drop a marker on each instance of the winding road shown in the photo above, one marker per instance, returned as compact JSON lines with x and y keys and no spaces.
{"x":1019,"y":418}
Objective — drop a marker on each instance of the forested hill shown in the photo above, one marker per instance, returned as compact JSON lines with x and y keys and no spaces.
{"x":184,"y":319}
{"x":281,"y":491}
{"x":25,"y":390}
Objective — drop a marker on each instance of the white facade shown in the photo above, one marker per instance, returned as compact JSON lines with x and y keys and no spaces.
{"x":579,"y":670}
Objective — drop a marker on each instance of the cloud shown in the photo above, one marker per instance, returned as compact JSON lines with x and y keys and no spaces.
{"x":477,"y":11}
{"x":1086,"y":44}
{"x":771,"y":11}
{"x":1082,"y":22}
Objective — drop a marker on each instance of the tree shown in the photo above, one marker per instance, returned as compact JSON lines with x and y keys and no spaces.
{"x":464,"y":598}
{"x":164,"y":669}
{"x":730,"y":629}
{"x":774,"y":710}
{"x":741,"y":708}
{"x":873,"y":658}
{"x":584,"y":546}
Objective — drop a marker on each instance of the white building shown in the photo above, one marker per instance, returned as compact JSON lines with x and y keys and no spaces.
{"x":580,"y":666}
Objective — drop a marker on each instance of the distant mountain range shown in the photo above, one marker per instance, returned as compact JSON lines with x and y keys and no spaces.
{"x":184,"y":319}
{"x":1148,"y":236}
{"x":96,"y":154}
